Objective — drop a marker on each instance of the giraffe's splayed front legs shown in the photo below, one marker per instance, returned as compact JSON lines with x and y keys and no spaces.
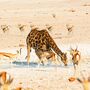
{"x":28,"y":54}
{"x":28,"y":58}
{"x":45,"y":56}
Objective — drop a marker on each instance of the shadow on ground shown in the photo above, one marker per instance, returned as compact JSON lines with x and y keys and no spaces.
{"x":24,"y":64}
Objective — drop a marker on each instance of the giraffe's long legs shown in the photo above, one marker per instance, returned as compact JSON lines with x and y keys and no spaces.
{"x":28,"y":53}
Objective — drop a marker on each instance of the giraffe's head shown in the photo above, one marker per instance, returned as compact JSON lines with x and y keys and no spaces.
{"x":64,"y":58}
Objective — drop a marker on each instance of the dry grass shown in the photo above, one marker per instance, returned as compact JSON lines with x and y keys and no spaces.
{"x":49,"y":27}
{"x":86,"y":4}
{"x":21,"y":27}
{"x":54,"y":15}
{"x":69,"y":27}
{"x":4,"y":28}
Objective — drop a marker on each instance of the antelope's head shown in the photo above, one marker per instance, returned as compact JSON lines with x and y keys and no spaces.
{"x":5,"y":78}
{"x":74,"y":51}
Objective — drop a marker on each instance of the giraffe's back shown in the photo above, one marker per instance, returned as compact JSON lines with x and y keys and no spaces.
{"x":37,"y":39}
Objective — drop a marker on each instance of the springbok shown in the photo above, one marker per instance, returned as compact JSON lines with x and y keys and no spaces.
{"x":11,"y":56}
{"x":5,"y":80}
{"x":85,"y":83}
{"x":21,"y":88}
{"x":75,"y":56}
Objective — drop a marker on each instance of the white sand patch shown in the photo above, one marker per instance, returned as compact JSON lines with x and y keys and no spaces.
{"x":48,"y":77}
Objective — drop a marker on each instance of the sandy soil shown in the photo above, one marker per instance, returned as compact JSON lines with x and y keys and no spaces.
{"x":58,"y":14}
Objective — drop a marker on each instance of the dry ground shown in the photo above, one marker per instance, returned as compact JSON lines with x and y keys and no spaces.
{"x":58,"y":14}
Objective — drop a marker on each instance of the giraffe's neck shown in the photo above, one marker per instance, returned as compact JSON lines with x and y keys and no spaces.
{"x":53,"y":44}
{"x":55,"y":48}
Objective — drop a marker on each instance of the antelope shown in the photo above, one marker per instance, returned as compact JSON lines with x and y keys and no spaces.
{"x":75,"y":56}
{"x":21,"y":88}
{"x":9,"y":55}
{"x":5,"y":80}
{"x":85,"y":83}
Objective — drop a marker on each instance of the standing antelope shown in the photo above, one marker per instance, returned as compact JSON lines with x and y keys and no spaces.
{"x":11,"y":56}
{"x":75,"y":56}
{"x":85,"y":83}
{"x":5,"y":80}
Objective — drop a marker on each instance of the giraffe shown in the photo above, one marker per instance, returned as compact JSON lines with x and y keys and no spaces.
{"x":36,"y":39}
